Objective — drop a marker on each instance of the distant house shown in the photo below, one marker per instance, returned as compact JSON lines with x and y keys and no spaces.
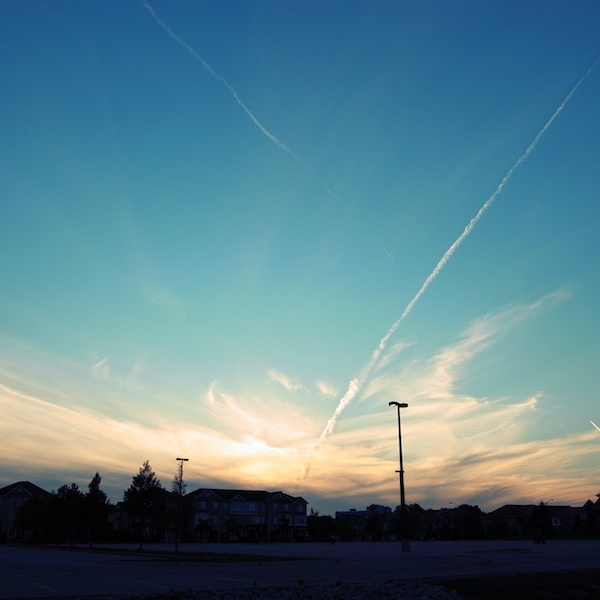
{"x":509,"y":521}
{"x":215,"y":515}
{"x":373,"y":523}
{"x":564,"y":519}
{"x":12,"y":498}
{"x":524,"y":520}
{"x":589,"y":516}
{"x":436,"y":524}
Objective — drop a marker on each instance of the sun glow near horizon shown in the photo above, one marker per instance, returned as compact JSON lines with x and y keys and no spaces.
{"x":456,"y":445}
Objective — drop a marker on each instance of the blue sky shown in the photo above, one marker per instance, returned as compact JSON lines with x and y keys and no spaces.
{"x":218,"y":224}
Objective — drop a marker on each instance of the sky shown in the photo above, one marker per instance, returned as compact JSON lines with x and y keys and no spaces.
{"x":235,"y":231}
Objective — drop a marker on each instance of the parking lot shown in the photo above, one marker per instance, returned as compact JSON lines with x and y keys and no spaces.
{"x":50,"y":571}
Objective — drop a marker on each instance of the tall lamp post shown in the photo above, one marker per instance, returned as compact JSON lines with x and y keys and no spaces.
{"x":404,"y":539}
{"x":179,"y":499}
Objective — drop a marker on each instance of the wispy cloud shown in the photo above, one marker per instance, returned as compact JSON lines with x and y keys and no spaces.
{"x":101,"y":369}
{"x":209,"y":396}
{"x":164,"y":298}
{"x":326,"y":389}
{"x":286,"y":382}
{"x":437,"y":376}
{"x":100,"y":366}
{"x":456,"y":443}
{"x":278,"y":424}
{"x":356,"y":384}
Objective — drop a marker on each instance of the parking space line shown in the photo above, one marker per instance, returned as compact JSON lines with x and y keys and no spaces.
{"x":156,"y":585}
{"x":45,"y":587}
{"x":241,"y":579}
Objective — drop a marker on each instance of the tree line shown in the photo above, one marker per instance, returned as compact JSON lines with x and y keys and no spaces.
{"x":69,"y":515}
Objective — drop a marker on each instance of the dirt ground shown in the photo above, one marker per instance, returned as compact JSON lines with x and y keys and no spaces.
{"x":573,"y":585}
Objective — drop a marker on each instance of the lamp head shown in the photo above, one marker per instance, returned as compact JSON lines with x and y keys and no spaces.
{"x":398,"y":404}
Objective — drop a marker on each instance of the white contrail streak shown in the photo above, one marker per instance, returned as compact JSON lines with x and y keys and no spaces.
{"x":273,"y":138}
{"x":220,"y":79}
{"x":356,"y":384}
{"x":594,"y":424}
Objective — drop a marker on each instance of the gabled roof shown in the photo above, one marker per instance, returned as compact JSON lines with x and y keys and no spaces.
{"x":511,"y":511}
{"x":228,"y":495}
{"x":244,"y":495}
{"x":286,"y":498}
{"x":559,"y":510}
{"x":23,"y":488}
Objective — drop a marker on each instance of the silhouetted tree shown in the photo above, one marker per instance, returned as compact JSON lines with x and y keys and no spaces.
{"x":232,"y":529}
{"x":97,"y":508}
{"x":145,"y":502}
{"x":400,"y":521}
{"x":540,"y":522}
{"x":468,"y":522}
{"x":283,"y":529}
{"x":347,"y":527}
{"x":34,"y":519}
{"x":68,"y":511}
{"x":321,"y":528}
{"x":373,"y":524}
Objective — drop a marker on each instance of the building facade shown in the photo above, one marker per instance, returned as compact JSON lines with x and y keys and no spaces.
{"x":13,"y":497}
{"x":218,"y":515}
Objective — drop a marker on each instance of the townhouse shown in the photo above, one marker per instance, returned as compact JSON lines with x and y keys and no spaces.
{"x":217,"y":515}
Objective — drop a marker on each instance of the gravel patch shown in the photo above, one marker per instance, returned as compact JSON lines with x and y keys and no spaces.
{"x":390,"y":590}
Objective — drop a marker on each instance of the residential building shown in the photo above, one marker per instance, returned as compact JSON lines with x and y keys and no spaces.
{"x":12,"y":498}
{"x":533,"y":520}
{"x":217,"y":515}
{"x":373,"y":523}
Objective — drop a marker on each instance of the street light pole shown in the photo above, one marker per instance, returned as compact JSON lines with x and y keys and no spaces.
{"x":179,"y":499}
{"x":404,"y":539}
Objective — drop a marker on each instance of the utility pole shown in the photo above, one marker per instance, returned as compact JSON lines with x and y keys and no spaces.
{"x":405,"y":540}
{"x":179,"y":489}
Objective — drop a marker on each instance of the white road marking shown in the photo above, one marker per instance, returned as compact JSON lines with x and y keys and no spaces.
{"x":242,"y":580}
{"x":45,"y":587}
{"x":162,"y":587}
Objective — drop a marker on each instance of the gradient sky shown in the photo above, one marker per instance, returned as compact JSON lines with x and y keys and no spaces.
{"x":217,"y":219}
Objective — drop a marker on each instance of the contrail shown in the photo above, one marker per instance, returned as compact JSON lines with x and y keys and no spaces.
{"x":594,"y":424}
{"x":356,"y":384}
{"x":272,"y":137}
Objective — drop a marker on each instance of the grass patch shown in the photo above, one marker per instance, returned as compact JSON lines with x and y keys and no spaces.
{"x":553,"y":585}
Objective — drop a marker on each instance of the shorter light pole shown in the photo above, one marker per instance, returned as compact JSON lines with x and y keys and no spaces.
{"x":179,"y":500}
{"x":405,"y":541}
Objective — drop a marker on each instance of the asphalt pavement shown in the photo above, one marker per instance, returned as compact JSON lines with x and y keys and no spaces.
{"x":34,"y":572}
